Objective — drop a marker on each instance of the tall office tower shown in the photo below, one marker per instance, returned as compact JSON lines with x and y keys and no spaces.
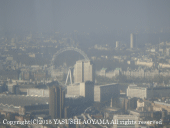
{"x":79,"y":72}
{"x":56,"y":102}
{"x":167,"y":51}
{"x":117,"y":44}
{"x":84,"y":71}
{"x":132,"y":41}
{"x":88,"y":71}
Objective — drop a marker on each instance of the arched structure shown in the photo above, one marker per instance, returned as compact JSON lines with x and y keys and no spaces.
{"x":68,"y":49}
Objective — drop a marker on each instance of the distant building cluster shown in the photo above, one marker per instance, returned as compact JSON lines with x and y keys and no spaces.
{"x":105,"y":73}
{"x":146,"y":92}
{"x":145,"y":73}
{"x":29,"y":87}
{"x":141,"y":73}
{"x":36,"y":73}
{"x":130,"y":73}
{"x":23,"y":104}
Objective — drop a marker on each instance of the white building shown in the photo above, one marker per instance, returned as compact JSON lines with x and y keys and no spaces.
{"x":125,"y":121}
{"x":135,"y":91}
{"x":146,"y":92}
{"x":38,"y":92}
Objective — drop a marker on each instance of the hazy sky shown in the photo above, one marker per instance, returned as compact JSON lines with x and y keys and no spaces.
{"x":84,"y":15}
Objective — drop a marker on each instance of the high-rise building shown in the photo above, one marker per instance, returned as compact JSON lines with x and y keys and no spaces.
{"x":167,"y":51}
{"x":56,"y":102}
{"x":79,"y":72}
{"x":84,"y":71}
{"x":132,"y":41}
{"x":117,"y":44}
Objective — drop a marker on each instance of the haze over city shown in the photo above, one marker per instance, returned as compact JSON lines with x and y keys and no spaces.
{"x":84,"y":63}
{"x":85,"y":16}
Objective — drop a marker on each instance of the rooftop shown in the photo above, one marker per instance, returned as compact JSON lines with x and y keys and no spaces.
{"x":19,"y":100}
{"x":106,"y":85}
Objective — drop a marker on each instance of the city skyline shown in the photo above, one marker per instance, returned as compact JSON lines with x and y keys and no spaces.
{"x":116,"y":54}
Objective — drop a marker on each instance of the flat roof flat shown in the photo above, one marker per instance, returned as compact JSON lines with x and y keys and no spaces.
{"x":20,"y":100}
